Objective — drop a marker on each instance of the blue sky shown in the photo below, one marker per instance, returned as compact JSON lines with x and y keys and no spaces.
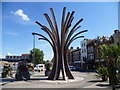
{"x":18,"y":22}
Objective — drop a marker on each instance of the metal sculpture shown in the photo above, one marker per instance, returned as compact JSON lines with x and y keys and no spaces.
{"x":60,"y":41}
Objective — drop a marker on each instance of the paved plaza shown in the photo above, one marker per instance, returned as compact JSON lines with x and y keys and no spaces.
{"x":39,"y":80}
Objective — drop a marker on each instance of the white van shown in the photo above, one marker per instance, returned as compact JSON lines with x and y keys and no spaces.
{"x":39,"y":67}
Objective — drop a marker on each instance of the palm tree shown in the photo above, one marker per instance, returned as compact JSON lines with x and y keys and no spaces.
{"x":60,"y":40}
{"x":110,"y":53}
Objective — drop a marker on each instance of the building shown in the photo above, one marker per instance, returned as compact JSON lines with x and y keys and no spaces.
{"x":25,"y":56}
{"x":90,"y":54}
{"x":84,"y":51}
{"x":93,"y":55}
{"x":90,"y":49}
{"x":116,"y":37}
{"x":74,"y":57}
{"x":14,"y":58}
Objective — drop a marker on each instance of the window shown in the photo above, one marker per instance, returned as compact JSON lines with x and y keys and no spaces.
{"x":84,"y":50}
{"x":88,"y":57}
{"x":93,"y":56}
{"x":118,"y":43}
{"x":88,"y":49}
{"x":92,"y":49}
{"x":14,"y":57}
{"x":40,"y":66}
{"x":10,"y":57}
{"x":82,"y":44}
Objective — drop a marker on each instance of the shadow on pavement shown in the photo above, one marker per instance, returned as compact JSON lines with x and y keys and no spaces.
{"x":103,"y":85}
{"x":118,"y":86}
{"x":100,"y":83}
{"x":6,"y":81}
{"x":87,"y":71}
{"x":38,"y":78}
{"x":107,"y":85}
{"x":95,"y":81}
{"x":9,"y":80}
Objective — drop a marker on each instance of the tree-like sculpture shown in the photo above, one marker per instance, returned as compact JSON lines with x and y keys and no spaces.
{"x":60,"y":41}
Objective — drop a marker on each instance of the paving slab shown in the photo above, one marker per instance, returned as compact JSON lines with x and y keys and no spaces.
{"x":39,"y":80}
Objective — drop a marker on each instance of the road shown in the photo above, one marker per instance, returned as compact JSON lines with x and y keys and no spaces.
{"x":39,"y":80}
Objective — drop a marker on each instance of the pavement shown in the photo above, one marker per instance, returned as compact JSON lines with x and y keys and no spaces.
{"x":39,"y":80}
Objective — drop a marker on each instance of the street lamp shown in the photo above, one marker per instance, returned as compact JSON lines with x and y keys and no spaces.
{"x":33,"y":54}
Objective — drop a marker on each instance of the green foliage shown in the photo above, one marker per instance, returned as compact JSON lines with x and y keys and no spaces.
{"x":39,"y":56}
{"x":118,"y":77}
{"x":7,"y":70}
{"x":118,"y":61}
{"x":110,"y":53}
{"x":52,"y":60}
{"x":49,"y":65}
{"x":102,"y":72}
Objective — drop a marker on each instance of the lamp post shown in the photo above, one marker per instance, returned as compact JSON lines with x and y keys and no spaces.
{"x":33,"y":55}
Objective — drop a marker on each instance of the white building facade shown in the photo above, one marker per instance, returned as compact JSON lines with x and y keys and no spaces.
{"x":83,"y":45}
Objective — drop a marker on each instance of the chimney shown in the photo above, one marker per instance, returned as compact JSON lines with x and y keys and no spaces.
{"x":98,"y":37}
{"x":71,"y":47}
{"x":77,"y":47}
{"x":116,"y":31}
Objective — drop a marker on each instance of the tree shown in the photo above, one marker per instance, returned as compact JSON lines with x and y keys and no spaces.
{"x":110,"y":53}
{"x":60,"y":41}
{"x":39,"y":55}
{"x":102,"y":73}
{"x":52,"y":60}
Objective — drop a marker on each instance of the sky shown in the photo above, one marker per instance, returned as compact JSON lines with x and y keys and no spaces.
{"x":18,"y":23}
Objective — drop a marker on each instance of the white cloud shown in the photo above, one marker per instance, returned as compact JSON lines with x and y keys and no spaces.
{"x":12,"y":33}
{"x":9,"y":54}
{"x":20,"y":13}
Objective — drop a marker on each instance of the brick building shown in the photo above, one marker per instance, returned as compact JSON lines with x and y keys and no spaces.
{"x":93,"y":50}
{"x":116,"y":37}
{"x":74,"y":57}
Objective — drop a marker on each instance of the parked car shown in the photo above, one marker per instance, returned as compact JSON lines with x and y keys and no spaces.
{"x":72,"y":68}
{"x":39,"y":67}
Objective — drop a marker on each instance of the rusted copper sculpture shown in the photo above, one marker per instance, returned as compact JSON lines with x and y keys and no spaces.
{"x":60,"y":41}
